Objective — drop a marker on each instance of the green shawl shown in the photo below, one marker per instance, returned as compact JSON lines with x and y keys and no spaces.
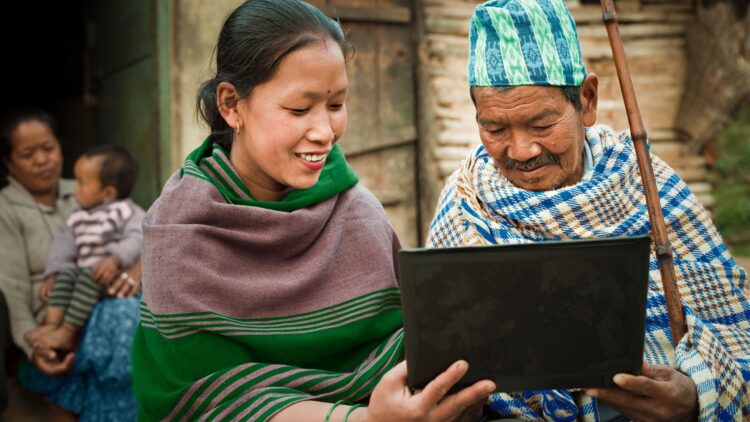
{"x":249,"y":307}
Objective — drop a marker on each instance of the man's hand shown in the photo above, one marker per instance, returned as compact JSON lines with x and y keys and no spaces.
{"x":106,"y":269}
{"x":46,"y":360}
{"x":660,"y":393}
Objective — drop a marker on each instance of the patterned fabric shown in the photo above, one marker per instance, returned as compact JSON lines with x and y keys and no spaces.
{"x":98,"y":387}
{"x":249,"y":309}
{"x":480,"y":207}
{"x":76,"y":293}
{"x":524,"y":42}
{"x":89,"y":235}
{"x":94,"y":229}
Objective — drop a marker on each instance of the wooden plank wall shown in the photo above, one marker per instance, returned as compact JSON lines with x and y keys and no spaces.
{"x":382,"y":137}
{"x":654,"y":37}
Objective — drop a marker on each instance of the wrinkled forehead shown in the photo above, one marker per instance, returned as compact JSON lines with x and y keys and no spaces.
{"x":530,"y":105}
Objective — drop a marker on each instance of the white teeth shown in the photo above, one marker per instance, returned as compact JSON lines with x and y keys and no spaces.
{"x":313,"y":158}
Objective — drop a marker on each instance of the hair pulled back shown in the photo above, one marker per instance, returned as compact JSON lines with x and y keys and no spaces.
{"x":252,"y":42}
{"x":9,"y":125}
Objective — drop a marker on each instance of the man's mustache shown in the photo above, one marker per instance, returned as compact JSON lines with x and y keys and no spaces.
{"x":542,"y":159}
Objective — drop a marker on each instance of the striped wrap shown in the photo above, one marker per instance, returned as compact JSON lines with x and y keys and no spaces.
{"x":479,"y":206}
{"x":247,"y":310}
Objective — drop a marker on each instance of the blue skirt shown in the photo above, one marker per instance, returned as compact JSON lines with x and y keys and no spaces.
{"x":99,"y":386}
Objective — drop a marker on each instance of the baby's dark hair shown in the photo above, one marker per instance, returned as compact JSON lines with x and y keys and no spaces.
{"x":119,"y":168}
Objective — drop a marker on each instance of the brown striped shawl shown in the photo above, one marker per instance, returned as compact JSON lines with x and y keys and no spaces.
{"x":248,"y":310}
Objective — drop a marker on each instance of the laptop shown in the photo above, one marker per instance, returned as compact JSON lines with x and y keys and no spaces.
{"x":548,"y":315}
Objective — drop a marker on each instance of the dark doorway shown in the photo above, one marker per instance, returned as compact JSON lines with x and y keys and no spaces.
{"x":43,"y":44}
{"x":99,"y":66}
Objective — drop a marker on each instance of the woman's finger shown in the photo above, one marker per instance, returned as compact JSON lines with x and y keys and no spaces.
{"x":119,"y":288}
{"x":54,"y":368}
{"x":438,"y":388}
{"x":452,"y":406}
{"x":395,"y":377}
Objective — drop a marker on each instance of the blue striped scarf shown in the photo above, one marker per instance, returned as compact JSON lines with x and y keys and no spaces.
{"x":479,"y":206}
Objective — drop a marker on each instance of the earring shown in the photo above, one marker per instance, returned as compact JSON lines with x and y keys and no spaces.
{"x":238,"y":129}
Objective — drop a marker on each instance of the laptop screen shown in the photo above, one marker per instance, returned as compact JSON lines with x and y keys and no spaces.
{"x":532,"y":316}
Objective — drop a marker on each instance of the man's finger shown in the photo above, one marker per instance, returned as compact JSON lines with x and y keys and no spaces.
{"x":633,"y":407}
{"x":619,"y":399}
{"x":638,"y":384}
{"x":438,"y":388}
{"x":657,"y":372}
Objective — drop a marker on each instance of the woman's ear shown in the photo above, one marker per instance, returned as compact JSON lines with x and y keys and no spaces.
{"x":589,"y":99}
{"x":227,"y":98}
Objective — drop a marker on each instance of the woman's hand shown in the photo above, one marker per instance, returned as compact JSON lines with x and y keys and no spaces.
{"x":46,"y":360}
{"x":106,"y":269}
{"x":392,"y":401}
{"x":46,"y":288}
{"x":660,"y":393}
{"x":129,"y":285}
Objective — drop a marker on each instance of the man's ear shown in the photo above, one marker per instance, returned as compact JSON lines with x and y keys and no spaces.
{"x":589,"y":92}
{"x":227,"y":98}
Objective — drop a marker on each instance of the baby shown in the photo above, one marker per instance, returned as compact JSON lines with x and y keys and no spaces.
{"x":92,"y":246}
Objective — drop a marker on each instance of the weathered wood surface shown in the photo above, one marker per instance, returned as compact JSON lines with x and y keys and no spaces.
{"x":381,"y":142}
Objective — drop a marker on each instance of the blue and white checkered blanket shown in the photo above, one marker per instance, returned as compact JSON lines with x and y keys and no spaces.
{"x":480,"y":207}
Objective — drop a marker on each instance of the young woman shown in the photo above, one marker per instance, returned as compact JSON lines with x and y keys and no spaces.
{"x":270,"y":286}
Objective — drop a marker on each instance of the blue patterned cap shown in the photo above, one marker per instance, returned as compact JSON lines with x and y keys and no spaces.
{"x":524,"y":42}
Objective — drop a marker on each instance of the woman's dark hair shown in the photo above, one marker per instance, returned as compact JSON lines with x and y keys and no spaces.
{"x":252,"y":43}
{"x":119,"y":168}
{"x":9,"y":125}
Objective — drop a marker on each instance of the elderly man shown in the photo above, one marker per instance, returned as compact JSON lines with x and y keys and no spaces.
{"x":544,"y":172}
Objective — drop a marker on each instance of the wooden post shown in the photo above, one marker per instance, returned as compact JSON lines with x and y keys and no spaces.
{"x":650,"y":190}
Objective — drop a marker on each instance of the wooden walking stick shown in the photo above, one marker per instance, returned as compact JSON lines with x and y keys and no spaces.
{"x":638,"y":133}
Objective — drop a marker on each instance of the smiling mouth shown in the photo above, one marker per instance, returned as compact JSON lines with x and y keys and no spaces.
{"x":312,"y":158}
